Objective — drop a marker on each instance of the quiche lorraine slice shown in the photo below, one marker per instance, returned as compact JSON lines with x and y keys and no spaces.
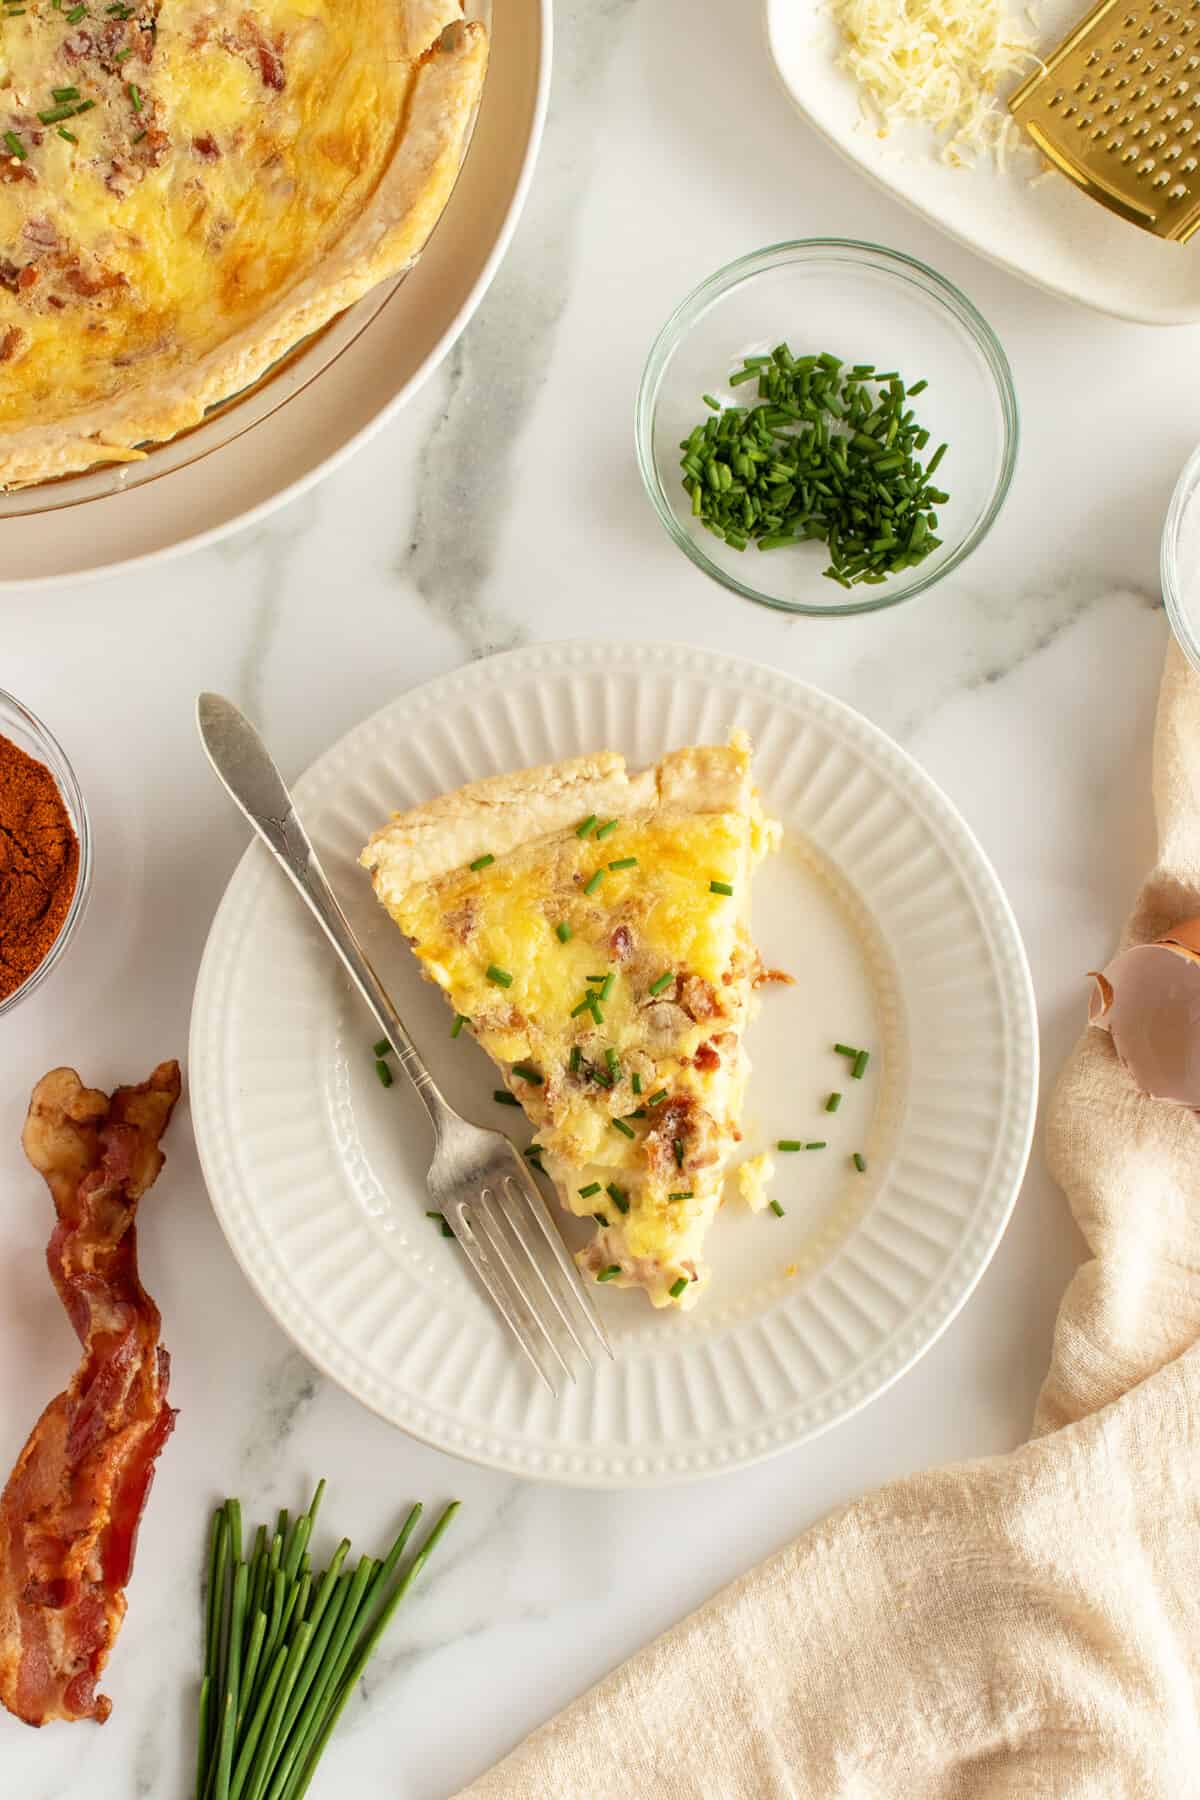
{"x":592,"y":926}
{"x":188,"y":191}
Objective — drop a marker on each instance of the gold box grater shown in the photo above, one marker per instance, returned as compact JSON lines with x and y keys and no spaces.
{"x":1117,"y":108}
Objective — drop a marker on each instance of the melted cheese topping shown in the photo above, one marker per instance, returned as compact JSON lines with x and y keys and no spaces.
{"x":223,"y":152}
{"x":937,"y":63}
{"x":680,"y":1048}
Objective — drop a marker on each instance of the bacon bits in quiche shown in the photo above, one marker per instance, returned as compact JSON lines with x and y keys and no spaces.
{"x":593,"y":927}
{"x":69,"y":1514}
{"x":186,"y":191}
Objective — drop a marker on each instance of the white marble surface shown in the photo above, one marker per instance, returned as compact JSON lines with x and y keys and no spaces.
{"x":504,"y":507}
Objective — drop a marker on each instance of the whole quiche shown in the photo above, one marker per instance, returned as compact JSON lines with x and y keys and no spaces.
{"x":190,"y":187}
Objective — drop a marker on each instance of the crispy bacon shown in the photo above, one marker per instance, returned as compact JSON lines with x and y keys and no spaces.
{"x":265,"y":54}
{"x":69,"y":1514}
{"x":10,"y":342}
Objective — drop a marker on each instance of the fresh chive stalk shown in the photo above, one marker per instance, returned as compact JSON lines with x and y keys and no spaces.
{"x":283,"y":1651}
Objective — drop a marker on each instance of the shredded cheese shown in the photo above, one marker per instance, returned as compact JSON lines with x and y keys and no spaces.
{"x":936,"y":63}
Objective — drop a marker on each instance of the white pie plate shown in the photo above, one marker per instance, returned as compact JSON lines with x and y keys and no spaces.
{"x":1043,"y":229}
{"x":881,"y":904}
{"x":335,"y":392}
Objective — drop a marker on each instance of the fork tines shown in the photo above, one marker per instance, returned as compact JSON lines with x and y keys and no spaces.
{"x":514,"y":1248}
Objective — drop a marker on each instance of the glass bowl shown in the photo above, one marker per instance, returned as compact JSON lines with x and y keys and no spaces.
{"x":26,"y":731}
{"x":864,"y":304}
{"x":1179,"y":560}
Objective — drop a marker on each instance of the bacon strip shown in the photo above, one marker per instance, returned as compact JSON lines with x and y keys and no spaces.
{"x":69,"y":1514}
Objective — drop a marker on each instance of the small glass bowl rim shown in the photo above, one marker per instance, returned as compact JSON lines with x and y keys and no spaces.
{"x":756,"y":262}
{"x":1168,"y":559}
{"x":66,"y":780}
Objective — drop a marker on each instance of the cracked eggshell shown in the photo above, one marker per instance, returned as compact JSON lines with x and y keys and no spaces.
{"x":1148,"y":998}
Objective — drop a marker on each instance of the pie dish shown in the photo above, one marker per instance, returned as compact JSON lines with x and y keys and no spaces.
{"x":184,"y":198}
{"x":591,"y":928}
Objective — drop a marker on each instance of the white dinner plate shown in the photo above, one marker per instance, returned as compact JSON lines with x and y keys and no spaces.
{"x":1039,"y":225}
{"x":882,"y":906}
{"x":335,"y":391}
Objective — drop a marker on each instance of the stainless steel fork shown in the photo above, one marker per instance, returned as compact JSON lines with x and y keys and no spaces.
{"x":478,"y":1180}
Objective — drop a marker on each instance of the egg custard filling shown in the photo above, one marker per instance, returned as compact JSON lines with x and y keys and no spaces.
{"x":188,"y":189}
{"x":591,"y":926}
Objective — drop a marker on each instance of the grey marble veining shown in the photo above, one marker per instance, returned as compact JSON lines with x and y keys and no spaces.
{"x":494,"y":376}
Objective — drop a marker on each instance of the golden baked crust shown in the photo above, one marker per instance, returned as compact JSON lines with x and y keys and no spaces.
{"x":220,"y":186}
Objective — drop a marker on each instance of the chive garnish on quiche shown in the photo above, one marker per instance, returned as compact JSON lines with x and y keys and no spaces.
{"x":646,"y":992}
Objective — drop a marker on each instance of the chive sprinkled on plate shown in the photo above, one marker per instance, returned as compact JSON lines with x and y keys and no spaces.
{"x":622,"y":1127}
{"x":595,"y":1009}
{"x":608,"y":829}
{"x":562,"y":932}
{"x":678,"y":1286}
{"x":441,"y":1219}
{"x":720,"y":887}
{"x":624,"y":862}
{"x":677,"y":1146}
{"x":482,"y":862}
{"x":67,"y":93}
{"x":382,"y":1048}
{"x":845,"y":1050}
{"x":610,"y":1057}
{"x":383,"y":1072}
{"x":609,"y":1274}
{"x":68,"y":135}
{"x":15,"y":145}
{"x":606,"y":986}
{"x":683,"y":1194}
{"x":860,"y":1065}
{"x":528,"y":1073}
{"x":575,"y":1059}
{"x":135,"y":97}
{"x":789,"y":1144}
{"x":777,"y":1209}
{"x":635,"y":1082}
{"x":593,"y":1187}
{"x":664,"y":981}
{"x":618,"y":1196}
{"x":460,"y":1019}
{"x":593,"y":882}
{"x":817,"y":1144}
{"x":600,"y":1218}
{"x":860,"y":1162}
{"x":502,"y":1097}
{"x":578,"y":1011}
{"x":585,"y":826}
{"x":658,"y":1095}
{"x":501,"y":977}
{"x":833,"y":1102}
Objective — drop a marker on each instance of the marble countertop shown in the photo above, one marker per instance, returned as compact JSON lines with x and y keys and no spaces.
{"x":501,"y":508}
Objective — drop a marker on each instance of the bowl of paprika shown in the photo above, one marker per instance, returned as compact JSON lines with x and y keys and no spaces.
{"x":45,"y":852}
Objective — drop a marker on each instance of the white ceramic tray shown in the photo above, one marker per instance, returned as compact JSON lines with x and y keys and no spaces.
{"x":900,"y":938}
{"x":1043,"y":229}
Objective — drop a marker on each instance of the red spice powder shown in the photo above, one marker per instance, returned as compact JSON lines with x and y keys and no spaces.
{"x":39,"y":864}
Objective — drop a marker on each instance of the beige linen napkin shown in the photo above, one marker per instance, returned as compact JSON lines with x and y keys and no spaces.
{"x":1028,"y":1625}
